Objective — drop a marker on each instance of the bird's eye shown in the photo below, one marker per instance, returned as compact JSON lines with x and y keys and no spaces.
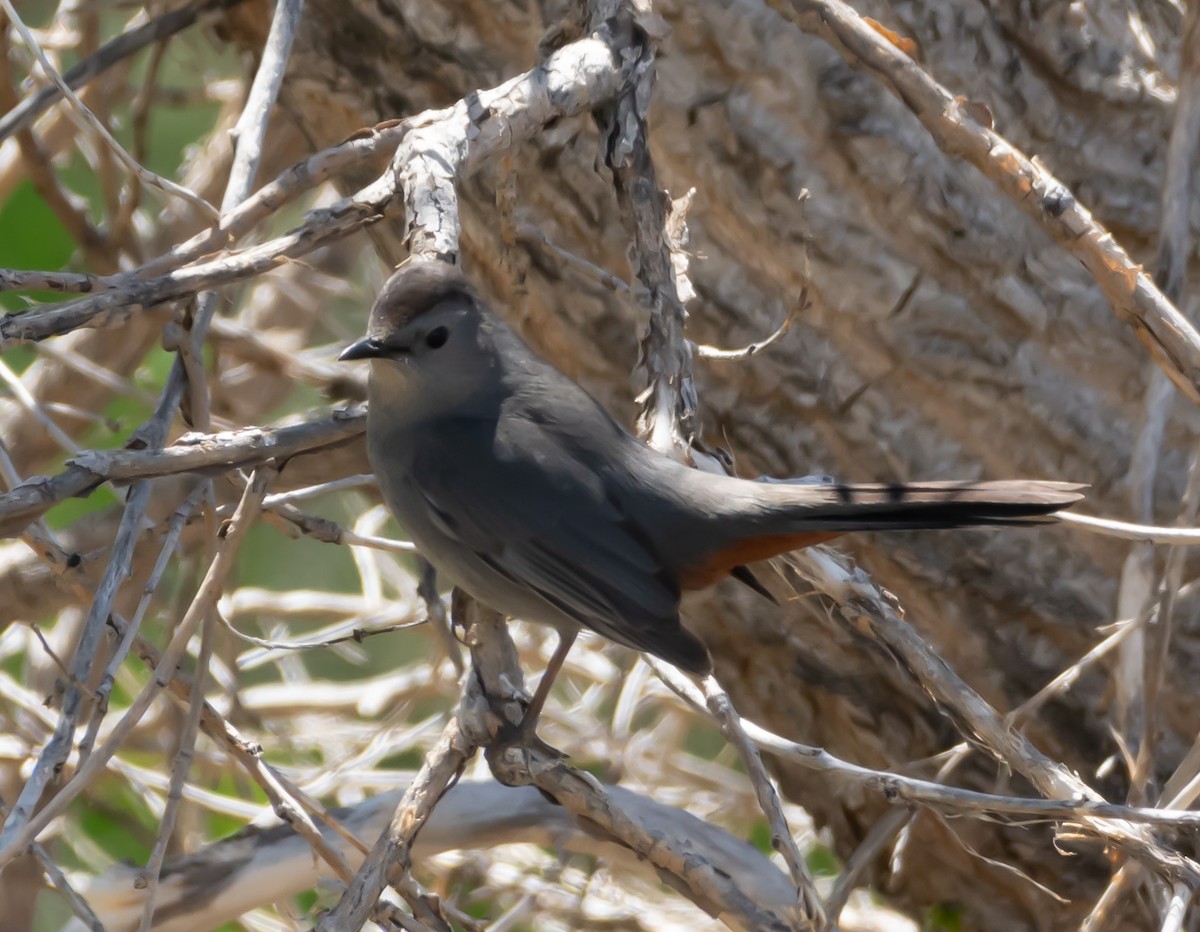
{"x":436,"y":338}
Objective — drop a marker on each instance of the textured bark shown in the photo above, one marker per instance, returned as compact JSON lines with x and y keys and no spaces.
{"x":949,"y":337}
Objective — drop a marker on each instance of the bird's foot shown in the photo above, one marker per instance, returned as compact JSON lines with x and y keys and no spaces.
{"x":524,"y":734}
{"x":517,"y":752}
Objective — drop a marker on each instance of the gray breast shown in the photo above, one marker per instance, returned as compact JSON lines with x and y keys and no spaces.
{"x":433,"y":532}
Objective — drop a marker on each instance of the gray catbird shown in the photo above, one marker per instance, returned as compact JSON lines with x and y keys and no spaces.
{"x":521,"y":489}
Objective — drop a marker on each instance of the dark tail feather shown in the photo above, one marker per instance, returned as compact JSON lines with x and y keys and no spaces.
{"x":746,"y":577}
{"x":924,"y":505}
{"x":781,"y":516}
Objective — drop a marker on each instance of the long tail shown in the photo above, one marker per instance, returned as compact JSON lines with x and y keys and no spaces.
{"x":777,"y":517}
{"x":918,"y":505}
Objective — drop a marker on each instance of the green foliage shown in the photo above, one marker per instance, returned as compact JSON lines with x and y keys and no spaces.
{"x":66,"y":513}
{"x":36,"y":240}
{"x":704,"y":740}
{"x":760,"y":837}
{"x":273,"y":561}
{"x":407,"y":759}
{"x":944,"y":917}
{"x":118,"y":820}
{"x":822,"y":862}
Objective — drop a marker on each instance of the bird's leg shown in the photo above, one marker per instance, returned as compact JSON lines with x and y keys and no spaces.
{"x":528,"y":727}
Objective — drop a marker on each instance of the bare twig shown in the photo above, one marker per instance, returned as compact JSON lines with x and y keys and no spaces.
{"x":393,"y":850}
{"x":181,"y":765}
{"x":250,"y":130}
{"x":35,"y":410}
{"x":121,"y":221}
{"x":89,"y":119}
{"x":880,"y":836}
{"x":903,"y":791}
{"x":20,"y":830}
{"x":753,"y":349}
{"x":435,"y":612}
{"x":358,"y":635}
{"x":1176,"y":912}
{"x":807,"y":899}
{"x":363,"y":148}
{"x":121,"y":47}
{"x":296,"y":523}
{"x":434,"y":149}
{"x":797,"y":307}
{"x":192,"y":453}
{"x":170,"y":541}
{"x":863,"y":606}
{"x":1069,"y":675}
{"x":80,"y":906}
{"x":312,"y":491}
{"x":711,"y":889}
{"x":1127,"y":530}
{"x":528,"y":233}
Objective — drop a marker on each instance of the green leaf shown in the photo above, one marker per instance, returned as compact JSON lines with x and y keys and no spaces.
{"x":34,"y":240}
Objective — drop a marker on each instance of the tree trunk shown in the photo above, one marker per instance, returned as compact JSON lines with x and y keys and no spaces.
{"x":948,"y":337}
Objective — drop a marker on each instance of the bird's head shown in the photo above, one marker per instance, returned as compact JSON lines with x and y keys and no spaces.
{"x":426,"y":340}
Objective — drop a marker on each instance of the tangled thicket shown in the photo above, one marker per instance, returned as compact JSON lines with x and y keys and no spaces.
{"x":204,"y":613}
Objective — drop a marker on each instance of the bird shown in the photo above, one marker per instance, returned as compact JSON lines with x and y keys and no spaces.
{"x":521,"y":489}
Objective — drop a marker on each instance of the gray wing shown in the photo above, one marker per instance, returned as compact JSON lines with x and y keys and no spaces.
{"x":520,"y":499}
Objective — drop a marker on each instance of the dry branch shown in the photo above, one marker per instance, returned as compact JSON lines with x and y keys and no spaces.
{"x":23,"y":825}
{"x":840,"y":415}
{"x":436,"y":150}
{"x":115,"y":50}
{"x":224,"y":880}
{"x":657,"y":233}
{"x":192,"y":453}
{"x":1136,"y":300}
{"x":392,"y":852}
{"x":862,"y":604}
{"x":904,"y":791}
{"x":489,"y":712}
